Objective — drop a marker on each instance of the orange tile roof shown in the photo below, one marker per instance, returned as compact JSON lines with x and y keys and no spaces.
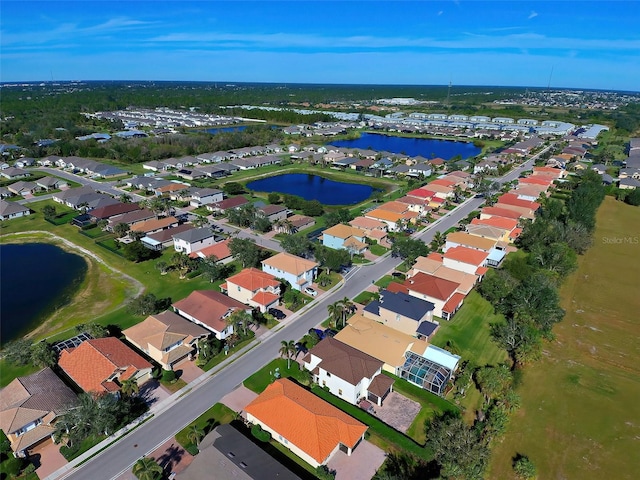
{"x":253,"y":279}
{"x":307,"y":421}
{"x":265,"y":298}
{"x":512,"y":199}
{"x":472,"y":241}
{"x":172,"y":187}
{"x":500,"y":212}
{"x":453,"y":303}
{"x":344,"y":231}
{"x":431,"y":286}
{"x":219,"y":250}
{"x":397,"y":207}
{"x":290,"y":263}
{"x":94,"y":361}
{"x":368,"y":223}
{"x":443,"y":182}
{"x":209,"y":307}
{"x":467,"y":255}
{"x":434,"y":187}
{"x":421,"y":193}
{"x":481,"y":270}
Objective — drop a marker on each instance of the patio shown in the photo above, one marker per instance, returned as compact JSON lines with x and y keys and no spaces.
{"x":363,"y":463}
{"x":397,"y":411}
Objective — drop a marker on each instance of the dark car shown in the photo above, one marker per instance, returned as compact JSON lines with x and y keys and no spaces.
{"x":398,"y":275}
{"x":278,"y":314}
{"x":316,"y":332}
{"x":330,"y":333}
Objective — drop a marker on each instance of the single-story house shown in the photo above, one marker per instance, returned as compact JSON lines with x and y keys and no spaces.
{"x":30,"y":406}
{"x":105,"y":213}
{"x":154,"y":225}
{"x":131,"y":218}
{"x":295,"y":223}
{"x":51,"y":183}
{"x":210,"y":309}
{"x":166,"y":337}
{"x":254,"y":287}
{"x":9,"y":210}
{"x":274,"y":213}
{"x":304,"y":423}
{"x":102,"y":364}
{"x":232,"y":456}
{"x":23,"y":188}
{"x":13,"y":173}
{"x":227,"y":204}
{"x":299,"y":272}
{"x":347,"y":372}
{"x":218,"y":250}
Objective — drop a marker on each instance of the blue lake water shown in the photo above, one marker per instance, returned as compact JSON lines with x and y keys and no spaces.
{"x":225,"y":129}
{"x":36,"y":279}
{"x":427,"y":147}
{"x":313,"y":187}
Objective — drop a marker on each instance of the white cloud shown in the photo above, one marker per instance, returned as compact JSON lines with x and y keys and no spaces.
{"x":533,"y":14}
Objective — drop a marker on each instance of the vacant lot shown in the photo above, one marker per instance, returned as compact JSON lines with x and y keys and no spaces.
{"x":581,"y":416}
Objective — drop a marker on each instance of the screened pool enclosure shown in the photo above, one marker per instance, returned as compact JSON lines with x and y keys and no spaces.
{"x":426,"y":374}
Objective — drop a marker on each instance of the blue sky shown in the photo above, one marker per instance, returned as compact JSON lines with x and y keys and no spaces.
{"x":584,"y":44}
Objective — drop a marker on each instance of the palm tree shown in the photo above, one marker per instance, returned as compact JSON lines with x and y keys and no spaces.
{"x":347,"y":308}
{"x":437,"y":241}
{"x":147,"y":469}
{"x":129,"y":387}
{"x":287,"y":349}
{"x":240,"y":317}
{"x":195,"y":434}
{"x":335,"y":312}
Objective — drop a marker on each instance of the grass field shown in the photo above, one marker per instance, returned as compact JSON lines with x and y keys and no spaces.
{"x":580,"y":415}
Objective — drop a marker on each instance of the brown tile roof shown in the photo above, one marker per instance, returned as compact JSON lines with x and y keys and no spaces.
{"x":111,"y":210}
{"x":368,"y":223}
{"x":209,"y":307}
{"x":307,"y":421}
{"x":132,"y":217}
{"x":397,"y":207}
{"x":290,"y":263}
{"x":380,"y":385}
{"x":154,"y":224}
{"x":431,"y":286}
{"x":344,"y":361}
{"x":166,"y":235}
{"x":344,"y":231}
{"x":253,"y":279}
{"x":227,"y":203}
{"x":92,"y":363}
{"x":29,"y":398}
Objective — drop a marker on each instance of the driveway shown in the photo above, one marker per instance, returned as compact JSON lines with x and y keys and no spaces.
{"x":152,"y":392}
{"x":170,"y":456}
{"x":47,"y":458}
{"x":186,"y":370}
{"x":363,"y":463}
{"x":397,"y":411}
{"x":238,"y":399}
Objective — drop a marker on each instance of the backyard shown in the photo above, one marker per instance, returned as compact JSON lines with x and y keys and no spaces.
{"x":580,"y":410}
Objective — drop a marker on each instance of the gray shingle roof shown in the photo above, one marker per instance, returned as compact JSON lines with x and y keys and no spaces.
{"x":402,"y":304}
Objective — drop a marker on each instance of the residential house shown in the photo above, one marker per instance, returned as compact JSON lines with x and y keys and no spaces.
{"x":380,"y":341}
{"x":105,"y":213}
{"x":393,"y":220}
{"x":401,"y":311}
{"x":420,"y":170}
{"x":13,"y":173}
{"x":51,"y":183}
{"x":433,"y":264}
{"x":395,"y":206}
{"x":102,"y":364}
{"x":233,"y":456}
{"x":25,"y":162}
{"x":154,"y":225}
{"x":227,"y":204}
{"x":305,"y":424}
{"x":30,"y":406}
{"x":166,"y":337}
{"x":488,"y":231}
{"x":253,"y":287}
{"x":508,"y":224}
{"x":131,"y":218}
{"x":467,"y":260}
{"x":9,"y":210}
{"x":455,"y":239}
{"x":5,"y":193}
{"x":442,"y":293}
{"x":294,"y":223}
{"x":345,"y":237}
{"x":194,"y":239}
{"x":419,"y":205}
{"x":628,"y":183}
{"x":164,"y":238}
{"x":218,"y":250}
{"x":348,"y":373}
{"x":210,"y":309}
{"x":23,"y":188}
{"x":200,"y":196}
{"x":499,"y":212}
{"x":299,"y":272}
{"x":274,"y":213}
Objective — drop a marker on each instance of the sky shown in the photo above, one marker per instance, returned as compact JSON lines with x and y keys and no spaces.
{"x":587,"y":44}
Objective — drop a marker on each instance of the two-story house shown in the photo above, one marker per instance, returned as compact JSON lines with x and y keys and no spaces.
{"x":253,"y":287}
{"x":194,"y":239}
{"x":166,"y":337}
{"x":402,"y":312}
{"x":299,"y":272}
{"x":345,"y":237}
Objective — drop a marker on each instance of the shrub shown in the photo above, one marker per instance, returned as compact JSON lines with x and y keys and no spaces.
{"x":168,"y":376}
{"x":260,"y":434}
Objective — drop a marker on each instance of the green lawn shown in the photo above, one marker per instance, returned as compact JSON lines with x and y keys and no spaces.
{"x":364,"y":298}
{"x":469,"y":336}
{"x":580,"y":409}
{"x":378,"y":250}
{"x":219,"y":414}
{"x":266,"y":375}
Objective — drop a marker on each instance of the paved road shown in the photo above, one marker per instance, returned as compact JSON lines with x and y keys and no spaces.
{"x":119,"y":458}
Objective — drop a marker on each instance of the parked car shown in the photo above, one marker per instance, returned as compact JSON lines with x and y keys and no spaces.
{"x":317,"y":332}
{"x":278,"y":314}
{"x":310,"y":291}
{"x":398,"y":275}
{"x":329,"y":333}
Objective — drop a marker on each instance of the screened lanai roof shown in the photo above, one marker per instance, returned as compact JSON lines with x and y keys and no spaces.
{"x":425,"y":373}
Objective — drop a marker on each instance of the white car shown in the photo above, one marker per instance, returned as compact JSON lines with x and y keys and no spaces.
{"x":310,"y":291}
